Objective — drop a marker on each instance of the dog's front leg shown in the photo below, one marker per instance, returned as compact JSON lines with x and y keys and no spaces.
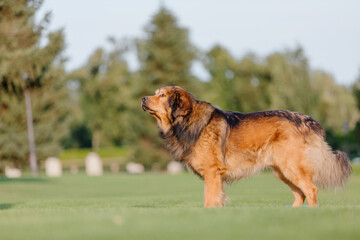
{"x":213,"y":190}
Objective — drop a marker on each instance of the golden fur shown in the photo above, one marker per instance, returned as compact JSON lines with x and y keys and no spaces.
{"x":223,"y":146}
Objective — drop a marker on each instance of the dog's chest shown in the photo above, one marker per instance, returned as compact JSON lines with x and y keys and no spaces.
{"x":195,"y":168}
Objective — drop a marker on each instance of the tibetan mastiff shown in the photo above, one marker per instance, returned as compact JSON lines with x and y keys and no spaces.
{"x":223,"y":146}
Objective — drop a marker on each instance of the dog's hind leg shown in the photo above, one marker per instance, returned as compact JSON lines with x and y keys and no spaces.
{"x":296,"y":168}
{"x":303,"y":180}
{"x":307,"y":186}
{"x":299,"y":196}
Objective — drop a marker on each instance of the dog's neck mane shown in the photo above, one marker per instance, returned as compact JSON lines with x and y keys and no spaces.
{"x":185,"y":130}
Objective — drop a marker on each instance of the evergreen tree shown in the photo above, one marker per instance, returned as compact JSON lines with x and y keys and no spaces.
{"x":165,"y":57}
{"x":166,"y":54}
{"x":21,"y":53}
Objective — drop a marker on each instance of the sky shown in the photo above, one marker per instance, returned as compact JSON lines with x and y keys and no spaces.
{"x":328,"y":30}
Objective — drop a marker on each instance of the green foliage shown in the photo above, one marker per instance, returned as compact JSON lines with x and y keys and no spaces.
{"x":103,"y":96}
{"x":283,"y":80}
{"x":20,"y":40}
{"x":336,"y":106}
{"x":79,"y":136}
{"x":236,"y":85}
{"x":291,"y":85}
{"x":20,"y":53}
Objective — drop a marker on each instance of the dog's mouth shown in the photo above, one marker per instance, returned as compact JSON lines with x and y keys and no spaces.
{"x":147,"y":109}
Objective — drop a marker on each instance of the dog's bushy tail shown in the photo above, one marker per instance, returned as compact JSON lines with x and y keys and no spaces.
{"x":331,"y":168}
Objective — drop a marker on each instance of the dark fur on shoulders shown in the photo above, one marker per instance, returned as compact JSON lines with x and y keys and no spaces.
{"x":233,"y":119}
{"x":185,"y":131}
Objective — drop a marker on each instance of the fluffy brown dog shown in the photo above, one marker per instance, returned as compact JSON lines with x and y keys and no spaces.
{"x":222,"y":146}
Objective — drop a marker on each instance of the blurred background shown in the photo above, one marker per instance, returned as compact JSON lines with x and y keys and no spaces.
{"x":72,"y":73}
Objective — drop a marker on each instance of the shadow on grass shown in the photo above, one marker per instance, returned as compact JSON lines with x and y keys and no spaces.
{"x":22,"y":180}
{"x":4,"y":206}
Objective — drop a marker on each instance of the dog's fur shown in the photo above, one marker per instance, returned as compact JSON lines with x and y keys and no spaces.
{"x":223,"y":146}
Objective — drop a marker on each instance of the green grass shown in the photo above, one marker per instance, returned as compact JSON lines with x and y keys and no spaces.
{"x":159,"y":206}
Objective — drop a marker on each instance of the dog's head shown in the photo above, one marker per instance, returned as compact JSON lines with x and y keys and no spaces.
{"x":168,"y":104}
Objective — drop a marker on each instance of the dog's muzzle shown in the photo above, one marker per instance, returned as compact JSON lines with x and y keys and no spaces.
{"x":143,"y":104}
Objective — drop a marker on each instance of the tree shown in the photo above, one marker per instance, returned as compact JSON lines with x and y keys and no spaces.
{"x":166,"y":54}
{"x":165,"y":57}
{"x":21,"y":53}
{"x":283,"y":80}
{"x":103,"y":94}
{"x":221,"y":66}
{"x":236,"y":85}
{"x":290,"y":87}
{"x":335,"y":106}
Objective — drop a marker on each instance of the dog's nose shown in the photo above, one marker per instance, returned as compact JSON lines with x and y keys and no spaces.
{"x":144,"y":99}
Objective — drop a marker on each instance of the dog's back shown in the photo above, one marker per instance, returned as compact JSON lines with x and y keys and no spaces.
{"x":285,"y":141}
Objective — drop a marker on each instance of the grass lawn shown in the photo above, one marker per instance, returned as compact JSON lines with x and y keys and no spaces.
{"x":159,"y":206}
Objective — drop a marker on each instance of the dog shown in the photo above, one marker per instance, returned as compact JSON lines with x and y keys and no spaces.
{"x":224,"y":146}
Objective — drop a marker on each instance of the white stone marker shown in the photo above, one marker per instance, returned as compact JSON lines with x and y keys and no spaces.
{"x":93,"y":164}
{"x":134,"y":168}
{"x":174,"y":167}
{"x":11,"y":172}
{"x":53,"y":167}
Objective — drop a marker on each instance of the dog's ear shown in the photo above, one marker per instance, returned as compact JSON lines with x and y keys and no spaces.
{"x":180,"y":104}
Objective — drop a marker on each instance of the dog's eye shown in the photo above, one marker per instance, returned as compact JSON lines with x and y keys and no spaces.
{"x":162,"y":95}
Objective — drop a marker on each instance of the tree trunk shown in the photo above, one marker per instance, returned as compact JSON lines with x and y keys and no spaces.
{"x":95,"y":140}
{"x":32,"y":153}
